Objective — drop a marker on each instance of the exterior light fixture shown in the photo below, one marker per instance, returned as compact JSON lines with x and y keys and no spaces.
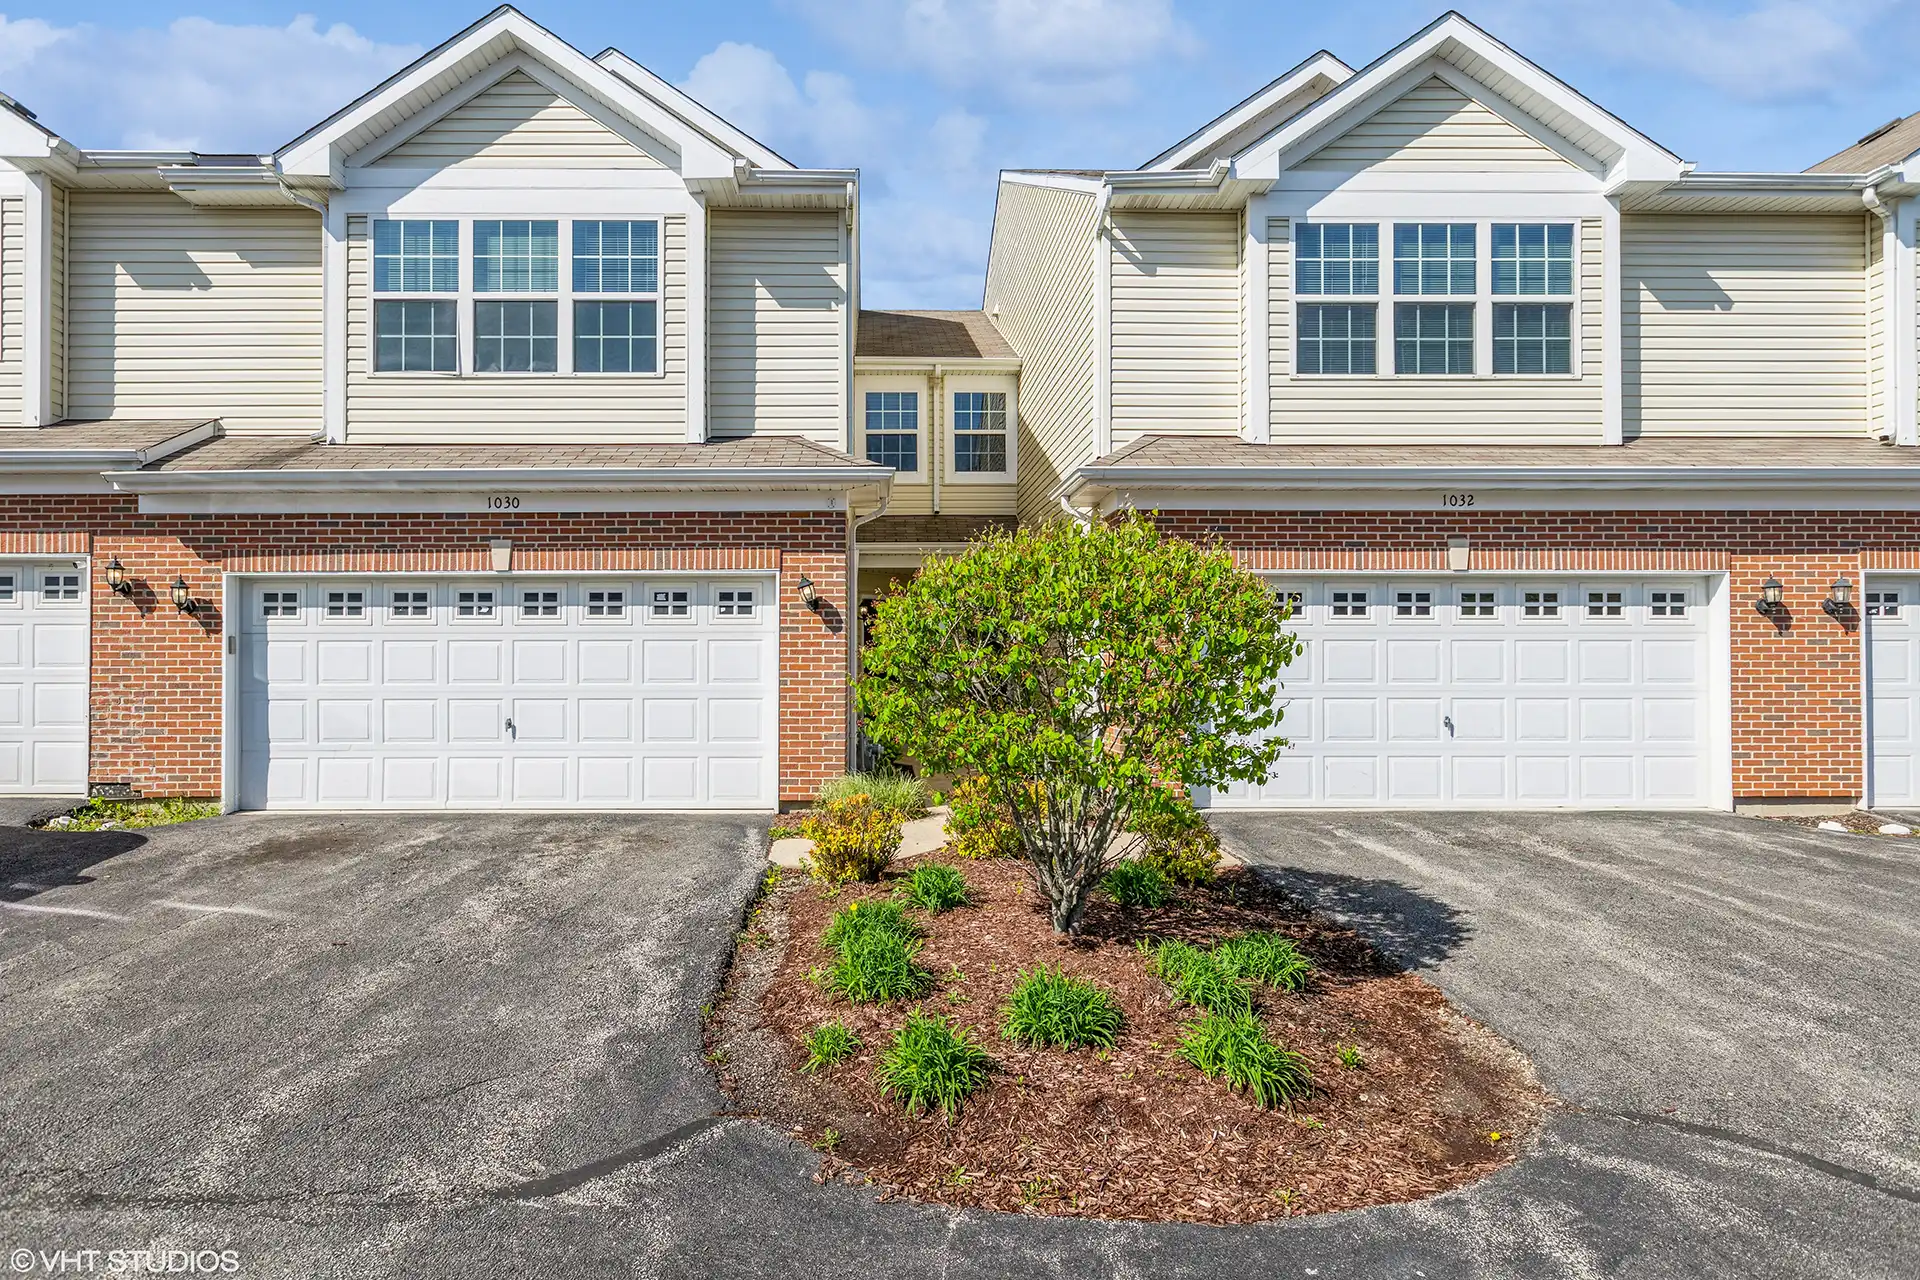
{"x":808,"y":596}
{"x":117,"y":578}
{"x":1839,"y":598}
{"x":183,"y":597}
{"x":1769,"y":602}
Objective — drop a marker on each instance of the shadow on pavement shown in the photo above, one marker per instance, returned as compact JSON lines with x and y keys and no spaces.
{"x":33,"y":862}
{"x":1410,"y":927}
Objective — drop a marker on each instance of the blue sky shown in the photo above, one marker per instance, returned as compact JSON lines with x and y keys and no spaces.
{"x":931,"y":97}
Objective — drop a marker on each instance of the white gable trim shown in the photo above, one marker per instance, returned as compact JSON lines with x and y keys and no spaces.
{"x":1454,"y":40}
{"x":1194,"y":148}
{"x":659,"y":148}
{"x":758,"y":153}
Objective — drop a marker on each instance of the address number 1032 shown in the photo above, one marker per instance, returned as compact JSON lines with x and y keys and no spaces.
{"x":1459,"y":500}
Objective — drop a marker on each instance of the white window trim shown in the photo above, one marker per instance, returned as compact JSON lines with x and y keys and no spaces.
{"x":760,"y":603}
{"x":1483,"y":300}
{"x":918,"y":388}
{"x":953,"y":475}
{"x":465,"y":333}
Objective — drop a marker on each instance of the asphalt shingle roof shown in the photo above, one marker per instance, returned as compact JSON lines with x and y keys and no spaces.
{"x":106,"y":433}
{"x":940,"y":335}
{"x":1891,"y":142}
{"x":282,"y":453}
{"x":1153,"y":452}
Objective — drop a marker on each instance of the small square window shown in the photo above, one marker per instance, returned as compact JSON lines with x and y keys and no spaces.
{"x":9,"y":587}
{"x":606,"y":604}
{"x":1540,"y":604}
{"x":1668,"y":604}
{"x":59,"y":586}
{"x":279,"y":604}
{"x":539,"y":604}
{"x":346,"y":604}
{"x":1349,"y":604}
{"x":1606,"y":604}
{"x":1293,"y":600}
{"x":473,"y":604}
{"x":408,"y":604}
{"x":1476,"y":604}
{"x":1882,"y":604}
{"x":1413,"y":604}
{"x":670,"y":602}
{"x":735,"y":602}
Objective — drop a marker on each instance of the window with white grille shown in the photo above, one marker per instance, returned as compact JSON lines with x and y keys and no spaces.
{"x":1349,"y":604}
{"x":279,"y":604}
{"x":734,"y":602}
{"x":473,"y":604}
{"x":1606,"y":604}
{"x":539,"y":604}
{"x":669,"y":604}
{"x":346,"y":604}
{"x":9,"y":588}
{"x":1667,"y":604}
{"x":1413,"y":604}
{"x":1539,"y":604}
{"x":1882,"y":604}
{"x":1476,"y":604}
{"x":59,"y":586}
{"x":606,"y":604}
{"x":409,"y":603}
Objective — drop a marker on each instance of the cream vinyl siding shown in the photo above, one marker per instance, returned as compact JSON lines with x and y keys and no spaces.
{"x":548,"y":408}
{"x":912,"y":497}
{"x":1876,"y":327}
{"x":57,"y":215}
{"x":1393,"y":409}
{"x":1176,"y":324}
{"x":179,"y":312}
{"x":777,"y":325}
{"x":1744,"y":325}
{"x":518,"y":123}
{"x":1435,"y":127}
{"x":13,"y":248}
{"x":1041,"y":282}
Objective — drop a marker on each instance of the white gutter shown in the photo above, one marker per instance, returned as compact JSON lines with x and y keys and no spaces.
{"x":97,"y":458}
{"x":467,"y":479}
{"x":1265,"y":478}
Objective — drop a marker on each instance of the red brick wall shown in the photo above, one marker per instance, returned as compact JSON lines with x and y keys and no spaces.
{"x":1795,"y":692}
{"x":157,"y":672}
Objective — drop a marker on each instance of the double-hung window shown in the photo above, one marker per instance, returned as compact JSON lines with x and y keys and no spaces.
{"x":1433,"y":261}
{"x":893,"y":429}
{"x":1532,"y":260}
{"x":980,"y":432}
{"x":616,"y":325}
{"x":516,"y":286}
{"x":416,"y":286}
{"x":1338,"y":265}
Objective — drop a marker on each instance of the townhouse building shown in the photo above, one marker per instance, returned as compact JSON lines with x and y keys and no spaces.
{"x":1591,"y":475}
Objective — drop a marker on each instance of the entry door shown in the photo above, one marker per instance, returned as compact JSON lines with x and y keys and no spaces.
{"x":1890,"y":611}
{"x":1472,"y":692}
{"x":615,"y":693}
{"x":43,"y":679}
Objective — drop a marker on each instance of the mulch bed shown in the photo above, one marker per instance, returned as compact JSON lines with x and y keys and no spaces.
{"x":1133,"y":1133}
{"x":1857,"y":821}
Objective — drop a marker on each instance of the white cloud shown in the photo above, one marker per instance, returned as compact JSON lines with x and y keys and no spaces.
{"x":748,"y":86}
{"x":1052,"y":52}
{"x":196,"y":84}
{"x":1764,"y":51}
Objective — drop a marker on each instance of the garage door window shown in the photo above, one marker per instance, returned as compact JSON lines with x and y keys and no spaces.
{"x":9,"y":588}
{"x":410,"y":603}
{"x":670,"y":604}
{"x":1882,"y":604}
{"x":1668,"y":604}
{"x":279,"y":604}
{"x":539,"y":604}
{"x":1476,"y":604}
{"x":1413,"y":604}
{"x":59,"y":586}
{"x":346,"y":604}
{"x":734,"y":602}
{"x":610,"y":605}
{"x":1606,"y":604}
{"x":1540,"y":604}
{"x":473,"y":604}
{"x":1349,"y":604}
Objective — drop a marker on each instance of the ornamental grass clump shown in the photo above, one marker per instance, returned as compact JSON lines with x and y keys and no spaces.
{"x":858,"y":918}
{"x":935,"y":887}
{"x":830,"y":1044}
{"x":929,"y":1065}
{"x":1235,"y":1048}
{"x":896,"y":793}
{"x":853,"y":839}
{"x":1198,"y":978}
{"x":1269,"y":958}
{"x":1050,"y":1008}
{"x":878,"y":967}
{"x":1137,"y":884}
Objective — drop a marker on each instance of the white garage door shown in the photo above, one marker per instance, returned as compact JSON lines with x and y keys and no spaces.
{"x":1464,"y":693}
{"x":1890,"y":611}
{"x":43,"y":679}
{"x":531,"y":693}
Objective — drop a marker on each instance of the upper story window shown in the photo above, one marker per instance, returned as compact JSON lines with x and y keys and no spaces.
{"x":980,"y":432}
{"x":1336,"y":337}
{"x":893,"y":429}
{"x":1337,"y":258}
{"x":1532,"y":260}
{"x":618,"y":330}
{"x":521,"y":335}
{"x":418,"y":257}
{"x":1433,"y":258}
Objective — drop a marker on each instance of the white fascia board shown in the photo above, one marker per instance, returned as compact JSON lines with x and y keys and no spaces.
{"x":1056,"y":181}
{"x":1641,"y":158}
{"x":485,"y":479}
{"x":528,"y":501}
{"x":1196,"y":145}
{"x":925,"y":364}
{"x":725,"y":135}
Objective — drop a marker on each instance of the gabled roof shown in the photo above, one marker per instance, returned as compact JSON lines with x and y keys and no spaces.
{"x":1515,"y":82}
{"x":931,"y":335}
{"x":1891,"y":143}
{"x":1256,"y":114}
{"x":758,"y":153}
{"x":321,"y":151}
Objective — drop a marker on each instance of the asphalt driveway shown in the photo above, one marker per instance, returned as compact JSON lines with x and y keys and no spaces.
{"x":468,"y":1046}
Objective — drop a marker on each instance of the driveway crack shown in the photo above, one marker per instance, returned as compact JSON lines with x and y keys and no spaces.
{"x":564,"y":1180}
{"x":1806,"y":1160}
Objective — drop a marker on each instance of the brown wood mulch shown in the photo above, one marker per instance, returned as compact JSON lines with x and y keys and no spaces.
{"x":1133,"y":1133}
{"x":1859,"y":822}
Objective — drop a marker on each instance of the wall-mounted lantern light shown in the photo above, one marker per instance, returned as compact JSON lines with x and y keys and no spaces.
{"x":1769,"y":602}
{"x":1839,"y":598}
{"x":183,"y":597}
{"x":808,"y":596}
{"x":117,"y":578}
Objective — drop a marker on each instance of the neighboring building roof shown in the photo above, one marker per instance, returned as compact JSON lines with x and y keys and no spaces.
{"x":1891,"y":143}
{"x":282,"y":453}
{"x":104,"y":433}
{"x":1158,"y":453}
{"x":934,"y":335}
{"x":924,"y":531}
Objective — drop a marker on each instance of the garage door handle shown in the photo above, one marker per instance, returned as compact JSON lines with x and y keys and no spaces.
{"x":512,"y":732}
{"x":1447,"y":721}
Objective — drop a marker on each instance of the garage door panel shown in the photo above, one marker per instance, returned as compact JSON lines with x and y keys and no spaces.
{"x":407,"y":704}
{"x":1479,"y":719}
{"x":1887,"y":607}
{"x":1414,"y":779}
{"x":1479,"y":779}
{"x":1349,"y":661}
{"x":1606,"y":778}
{"x":1542,"y":661}
{"x":1672,"y":719}
{"x":58,"y":646}
{"x":1606,"y":719}
{"x":13,"y":645}
{"x":1351,"y":778}
{"x":1351,"y":719}
{"x":1672,"y":661}
{"x":44,"y":636}
{"x":1413,"y":720}
{"x":1605,"y":662}
{"x":1544,"y":719}
{"x":1543,"y":779}
{"x":1672,"y":777}
{"x":1479,"y":661}
{"x":13,"y":699}
{"x":1413,"y":661}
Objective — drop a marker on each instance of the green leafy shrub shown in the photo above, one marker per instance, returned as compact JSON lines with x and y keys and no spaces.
{"x":830,"y":1044}
{"x":1271,"y":958}
{"x":896,"y":793}
{"x":98,"y":815}
{"x":1179,"y":842}
{"x":929,"y":1064}
{"x":1199,"y":978}
{"x":859,"y":918}
{"x":1350,"y":1056}
{"x":1235,"y":1048}
{"x":877,"y":966}
{"x":935,"y":887}
{"x":1137,"y":884}
{"x":1048,"y":1007}
{"x":853,"y":839}
{"x":979,"y":826}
